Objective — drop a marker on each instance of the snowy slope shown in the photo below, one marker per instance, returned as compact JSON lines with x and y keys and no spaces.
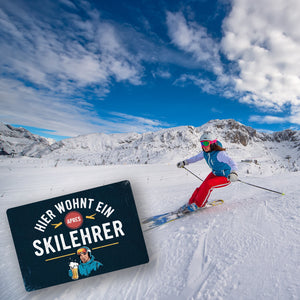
{"x":248,"y":248}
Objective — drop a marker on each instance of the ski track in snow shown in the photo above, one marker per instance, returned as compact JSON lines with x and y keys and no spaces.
{"x":247,"y":248}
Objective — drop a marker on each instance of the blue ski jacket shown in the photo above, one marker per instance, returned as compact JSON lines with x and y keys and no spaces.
{"x":85,"y":269}
{"x":219,"y":161}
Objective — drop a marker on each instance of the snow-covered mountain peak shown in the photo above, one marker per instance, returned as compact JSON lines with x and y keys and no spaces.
{"x":20,"y":141}
{"x":235,"y":132}
{"x":164,"y":146}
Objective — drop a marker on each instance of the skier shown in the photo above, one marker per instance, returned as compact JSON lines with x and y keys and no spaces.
{"x":88,"y":262}
{"x":224,"y":171}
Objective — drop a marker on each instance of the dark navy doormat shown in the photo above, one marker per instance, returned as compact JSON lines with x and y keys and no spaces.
{"x":79,"y":235}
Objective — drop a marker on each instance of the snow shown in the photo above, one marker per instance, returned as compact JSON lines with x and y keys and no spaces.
{"x":247,"y":248}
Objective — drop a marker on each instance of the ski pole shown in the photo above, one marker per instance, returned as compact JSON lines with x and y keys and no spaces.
{"x":192,"y":173}
{"x":260,"y":187}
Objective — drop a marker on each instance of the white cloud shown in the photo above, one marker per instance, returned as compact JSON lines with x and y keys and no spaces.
{"x":47,"y":67}
{"x":68,"y":3}
{"x":43,"y":109}
{"x":135,"y":123}
{"x":162,"y":74}
{"x":295,"y":115}
{"x":53,"y":55}
{"x":204,"y":84}
{"x":25,"y":105}
{"x":263,"y":38}
{"x":48,"y":61}
{"x":267,"y":119}
{"x":194,"y":39}
{"x":292,"y":115}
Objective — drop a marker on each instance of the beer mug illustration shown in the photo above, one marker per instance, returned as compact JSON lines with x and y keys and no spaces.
{"x":74,"y":268}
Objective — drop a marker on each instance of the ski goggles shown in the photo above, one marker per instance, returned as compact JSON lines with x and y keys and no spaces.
{"x":207,"y":143}
{"x":81,"y":251}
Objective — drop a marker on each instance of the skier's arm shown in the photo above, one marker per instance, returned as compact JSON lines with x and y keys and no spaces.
{"x":223,"y":157}
{"x":195,"y":158}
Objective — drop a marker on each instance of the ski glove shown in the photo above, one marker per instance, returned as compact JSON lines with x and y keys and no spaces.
{"x":181,"y":164}
{"x":233,"y":176}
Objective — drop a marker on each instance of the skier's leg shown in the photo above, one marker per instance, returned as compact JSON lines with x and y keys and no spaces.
{"x":195,"y":194}
{"x":211,"y":182}
{"x":192,"y":199}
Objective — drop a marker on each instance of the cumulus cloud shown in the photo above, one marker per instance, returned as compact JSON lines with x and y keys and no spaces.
{"x":263,"y":39}
{"x":261,"y":44}
{"x":295,"y":115}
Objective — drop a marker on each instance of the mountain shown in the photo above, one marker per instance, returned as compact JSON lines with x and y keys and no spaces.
{"x":164,"y":146}
{"x":19,"y":141}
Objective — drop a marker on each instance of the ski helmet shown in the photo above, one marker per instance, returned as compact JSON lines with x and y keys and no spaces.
{"x":84,"y":249}
{"x":207,"y":136}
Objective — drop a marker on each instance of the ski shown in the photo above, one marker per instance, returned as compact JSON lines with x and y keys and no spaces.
{"x":158,"y":220}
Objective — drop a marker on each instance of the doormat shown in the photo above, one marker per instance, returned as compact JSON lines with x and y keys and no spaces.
{"x":79,"y":235}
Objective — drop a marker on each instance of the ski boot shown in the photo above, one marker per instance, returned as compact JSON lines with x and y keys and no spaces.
{"x":187,"y":208}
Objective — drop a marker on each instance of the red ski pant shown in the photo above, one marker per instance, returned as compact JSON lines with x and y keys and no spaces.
{"x":202,"y":193}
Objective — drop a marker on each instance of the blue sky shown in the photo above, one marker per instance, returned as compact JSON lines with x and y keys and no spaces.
{"x":73,"y":67}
